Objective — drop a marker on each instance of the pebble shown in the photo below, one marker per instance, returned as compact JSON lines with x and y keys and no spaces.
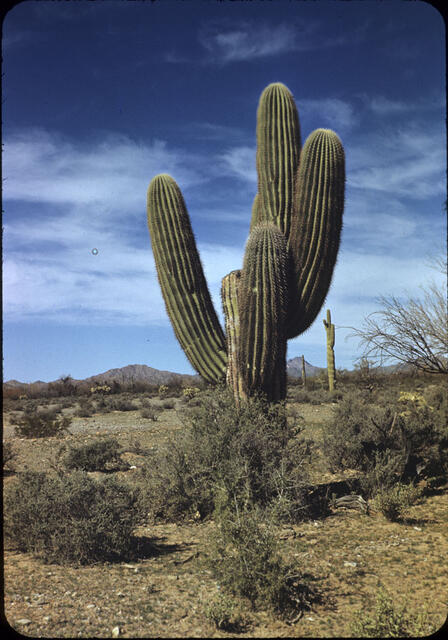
{"x":350,"y":564}
{"x":115,"y":632}
{"x":23,"y":621}
{"x":417,"y":528}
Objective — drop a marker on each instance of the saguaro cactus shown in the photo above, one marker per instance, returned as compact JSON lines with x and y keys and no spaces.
{"x":289,"y":259}
{"x":329,"y":328}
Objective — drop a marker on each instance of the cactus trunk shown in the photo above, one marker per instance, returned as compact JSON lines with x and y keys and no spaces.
{"x":229,"y":295}
{"x":288,"y":264}
{"x":262,"y":302}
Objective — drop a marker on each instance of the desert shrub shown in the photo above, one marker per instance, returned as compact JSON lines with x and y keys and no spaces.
{"x":98,"y":455}
{"x":190,"y":392}
{"x":70,"y":519}
{"x":120,"y":403}
{"x":250,"y":452}
{"x":245,"y":559}
{"x":85,"y":409}
{"x":394,"y":502}
{"x":163,"y":391}
{"x":397,"y":441}
{"x":151,"y":412}
{"x":388,"y":620}
{"x":168,"y":404}
{"x":9,"y":453}
{"x":41,"y":424}
{"x":315,"y":396}
{"x":223,"y":612}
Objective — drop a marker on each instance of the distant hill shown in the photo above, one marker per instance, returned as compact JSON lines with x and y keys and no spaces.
{"x":294,"y":368}
{"x":139,"y":373}
{"x":123,"y":375}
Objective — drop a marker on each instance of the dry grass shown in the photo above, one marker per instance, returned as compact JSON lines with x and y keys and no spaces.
{"x":165,"y":591}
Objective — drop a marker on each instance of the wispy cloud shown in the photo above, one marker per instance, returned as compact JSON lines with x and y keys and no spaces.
{"x":81,"y":197}
{"x":44,"y":167}
{"x":234,"y":43}
{"x":386,"y":106}
{"x":405,"y":162}
{"x":332,"y":113}
{"x":239,"y":162}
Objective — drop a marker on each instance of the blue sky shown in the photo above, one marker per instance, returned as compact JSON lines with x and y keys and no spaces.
{"x":101,"y":96}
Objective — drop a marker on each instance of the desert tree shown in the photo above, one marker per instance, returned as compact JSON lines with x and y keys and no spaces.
{"x":412,"y":331}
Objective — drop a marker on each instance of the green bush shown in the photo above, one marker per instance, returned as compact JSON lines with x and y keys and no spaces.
{"x":120,"y":403}
{"x":388,"y":620}
{"x":85,"y":408}
{"x":250,"y":453}
{"x":151,"y":413}
{"x":246,"y":562}
{"x":71,"y":519}
{"x":98,"y":455}
{"x":392,"y":438}
{"x":394,"y":502}
{"x":223,"y":612}
{"x":41,"y":424}
{"x":9,"y":453}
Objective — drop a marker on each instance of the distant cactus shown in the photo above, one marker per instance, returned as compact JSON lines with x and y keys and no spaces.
{"x":288,"y":264}
{"x":329,"y":328}
{"x":303,"y":372}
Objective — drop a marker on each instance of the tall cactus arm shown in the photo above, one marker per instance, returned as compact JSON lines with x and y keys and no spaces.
{"x":278,"y":151}
{"x":316,"y":226}
{"x":262,"y":303}
{"x":181,"y":277}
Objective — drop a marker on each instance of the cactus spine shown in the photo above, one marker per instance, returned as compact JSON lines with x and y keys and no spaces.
{"x":329,"y":328}
{"x":289,"y":259}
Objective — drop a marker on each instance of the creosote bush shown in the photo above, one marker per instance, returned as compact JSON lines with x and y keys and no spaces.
{"x":389,"y":438}
{"x":388,"y":620}
{"x":251,"y":453}
{"x":41,"y":424}
{"x":394,"y":502}
{"x":222,"y":611}
{"x":98,"y":455}
{"x":246,"y":562}
{"x":71,"y":519}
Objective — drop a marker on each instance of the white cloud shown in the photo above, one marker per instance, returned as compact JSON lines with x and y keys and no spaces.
{"x":248,"y":41}
{"x":116,"y":171}
{"x":405,"y":162}
{"x":239,"y":162}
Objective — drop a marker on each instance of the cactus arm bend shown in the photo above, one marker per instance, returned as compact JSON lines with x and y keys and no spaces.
{"x":181,"y":277}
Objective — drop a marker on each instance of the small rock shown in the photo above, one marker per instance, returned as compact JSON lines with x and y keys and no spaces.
{"x":90,"y":606}
{"x":115,"y":632}
{"x":350,"y":564}
{"x":23,"y":621}
{"x":417,"y":528}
